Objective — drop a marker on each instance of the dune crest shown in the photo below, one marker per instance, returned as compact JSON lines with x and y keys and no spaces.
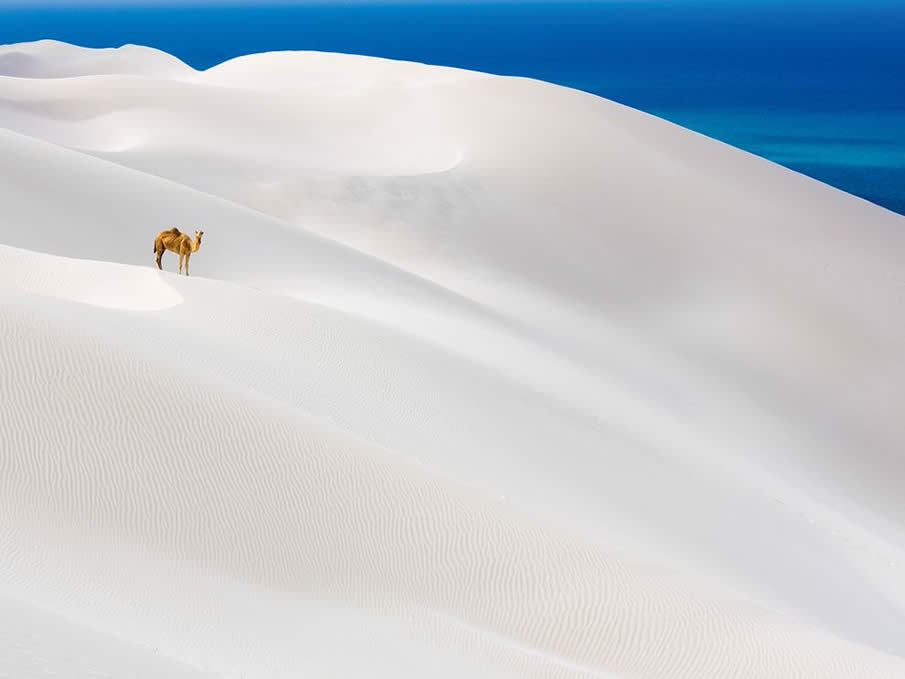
{"x":113,"y":286}
{"x":54,"y":59}
{"x":474,"y":376}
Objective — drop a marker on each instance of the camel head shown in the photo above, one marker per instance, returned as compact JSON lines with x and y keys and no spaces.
{"x":198,"y":235}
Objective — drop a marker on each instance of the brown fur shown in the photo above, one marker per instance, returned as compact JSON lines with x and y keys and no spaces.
{"x":180,"y":243}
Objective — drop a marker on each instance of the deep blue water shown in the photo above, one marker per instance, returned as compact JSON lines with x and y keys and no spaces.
{"x":818,"y":86}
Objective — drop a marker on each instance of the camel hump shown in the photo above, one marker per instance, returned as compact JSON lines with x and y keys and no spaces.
{"x":175,"y":231}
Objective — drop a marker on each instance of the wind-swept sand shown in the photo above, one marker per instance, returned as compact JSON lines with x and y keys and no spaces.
{"x":474,"y":377}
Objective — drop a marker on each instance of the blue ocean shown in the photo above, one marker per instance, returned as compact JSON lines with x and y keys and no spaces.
{"x":816,"y":85}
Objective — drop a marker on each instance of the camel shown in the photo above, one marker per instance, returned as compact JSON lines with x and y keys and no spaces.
{"x":180,"y":243}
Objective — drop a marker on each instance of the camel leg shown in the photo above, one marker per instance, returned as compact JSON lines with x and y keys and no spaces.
{"x":159,"y":257}
{"x":181,"y":257}
{"x":187,"y":255}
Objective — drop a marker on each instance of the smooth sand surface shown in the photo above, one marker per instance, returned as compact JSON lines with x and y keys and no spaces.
{"x":473,"y":377}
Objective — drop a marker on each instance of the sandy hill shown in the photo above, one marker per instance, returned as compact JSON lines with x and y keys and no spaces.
{"x":474,"y":377}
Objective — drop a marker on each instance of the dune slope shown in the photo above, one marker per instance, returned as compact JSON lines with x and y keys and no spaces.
{"x":474,"y":376}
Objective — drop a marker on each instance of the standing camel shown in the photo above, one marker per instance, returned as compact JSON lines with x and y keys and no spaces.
{"x":180,"y":243}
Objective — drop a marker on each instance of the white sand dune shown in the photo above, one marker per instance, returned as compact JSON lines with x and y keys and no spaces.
{"x":474,"y":377}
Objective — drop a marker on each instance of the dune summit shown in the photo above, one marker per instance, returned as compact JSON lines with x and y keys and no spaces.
{"x":474,"y":377}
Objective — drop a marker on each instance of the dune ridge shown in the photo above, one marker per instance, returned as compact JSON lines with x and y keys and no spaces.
{"x":474,"y":376}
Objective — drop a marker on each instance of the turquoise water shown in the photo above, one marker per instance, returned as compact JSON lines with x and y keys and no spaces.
{"x":860,"y":152}
{"x":818,"y":86}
